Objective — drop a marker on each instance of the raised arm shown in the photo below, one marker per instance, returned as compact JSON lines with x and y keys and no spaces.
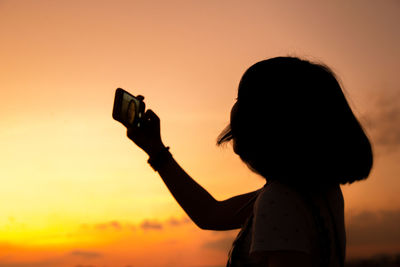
{"x":201,"y":207}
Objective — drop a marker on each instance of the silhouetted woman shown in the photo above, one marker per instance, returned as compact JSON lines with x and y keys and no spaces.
{"x":292,"y":125}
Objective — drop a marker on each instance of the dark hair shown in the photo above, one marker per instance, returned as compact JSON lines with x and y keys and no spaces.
{"x":292,"y":123}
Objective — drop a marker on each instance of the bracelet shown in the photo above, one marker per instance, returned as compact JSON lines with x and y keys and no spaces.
{"x":157,"y":160}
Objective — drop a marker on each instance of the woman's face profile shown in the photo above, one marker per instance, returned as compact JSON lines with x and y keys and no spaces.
{"x":234,"y":112}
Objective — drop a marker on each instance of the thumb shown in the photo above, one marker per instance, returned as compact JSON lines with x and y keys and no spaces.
{"x":150,"y":116}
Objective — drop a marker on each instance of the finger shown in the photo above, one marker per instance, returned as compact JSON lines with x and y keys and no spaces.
{"x":150,"y":116}
{"x":132,"y":128}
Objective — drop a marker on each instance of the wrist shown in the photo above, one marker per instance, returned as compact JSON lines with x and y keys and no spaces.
{"x":155,"y":150}
{"x":159,"y":159}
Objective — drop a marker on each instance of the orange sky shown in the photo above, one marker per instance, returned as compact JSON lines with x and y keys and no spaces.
{"x":75,"y":190}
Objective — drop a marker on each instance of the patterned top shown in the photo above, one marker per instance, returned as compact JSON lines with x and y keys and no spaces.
{"x":283,"y":219}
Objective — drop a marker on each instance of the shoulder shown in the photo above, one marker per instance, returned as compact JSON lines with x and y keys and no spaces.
{"x":278,"y":198}
{"x":281,"y":220}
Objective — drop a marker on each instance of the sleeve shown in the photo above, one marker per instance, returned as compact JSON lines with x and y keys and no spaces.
{"x":279,"y":223}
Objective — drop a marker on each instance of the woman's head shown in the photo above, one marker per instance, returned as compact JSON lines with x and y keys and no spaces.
{"x":292,"y":123}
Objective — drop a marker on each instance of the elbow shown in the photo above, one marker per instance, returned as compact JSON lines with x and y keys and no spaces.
{"x":208,"y":221}
{"x":207,"y":227}
{"x":214,"y":227}
{"x":204,"y":224}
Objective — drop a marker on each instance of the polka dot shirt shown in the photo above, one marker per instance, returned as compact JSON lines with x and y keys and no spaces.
{"x":282,"y":220}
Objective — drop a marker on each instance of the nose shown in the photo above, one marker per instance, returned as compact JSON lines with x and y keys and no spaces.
{"x":235,"y":147}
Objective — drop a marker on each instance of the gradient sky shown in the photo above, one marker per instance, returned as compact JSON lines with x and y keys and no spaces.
{"x":75,"y":190}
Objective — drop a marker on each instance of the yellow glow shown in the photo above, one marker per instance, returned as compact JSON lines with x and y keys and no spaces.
{"x":75,"y":190}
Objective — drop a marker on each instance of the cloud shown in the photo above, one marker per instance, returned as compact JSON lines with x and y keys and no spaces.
{"x":374,"y":228}
{"x":86,"y":254}
{"x":382,"y":120}
{"x":156,"y":225}
{"x":115,"y":225}
{"x":147,"y":224}
{"x":178,"y":222}
{"x":108,"y":225}
{"x":151,"y":225}
{"x":48,"y":263}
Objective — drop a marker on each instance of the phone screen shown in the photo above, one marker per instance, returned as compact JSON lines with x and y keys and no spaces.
{"x":131,"y":111}
{"x":128,"y":108}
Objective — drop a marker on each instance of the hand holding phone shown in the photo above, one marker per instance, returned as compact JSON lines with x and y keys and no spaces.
{"x":143,"y":127}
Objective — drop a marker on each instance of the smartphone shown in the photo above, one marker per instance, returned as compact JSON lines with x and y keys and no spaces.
{"x":128,"y":109}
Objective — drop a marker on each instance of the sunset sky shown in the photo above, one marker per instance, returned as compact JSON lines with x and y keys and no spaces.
{"x":76,"y":191}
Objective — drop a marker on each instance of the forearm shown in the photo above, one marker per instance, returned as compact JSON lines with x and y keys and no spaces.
{"x":193,"y":198}
{"x":202,"y":208}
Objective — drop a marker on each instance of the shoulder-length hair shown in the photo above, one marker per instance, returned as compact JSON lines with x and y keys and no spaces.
{"x":293,"y":123}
